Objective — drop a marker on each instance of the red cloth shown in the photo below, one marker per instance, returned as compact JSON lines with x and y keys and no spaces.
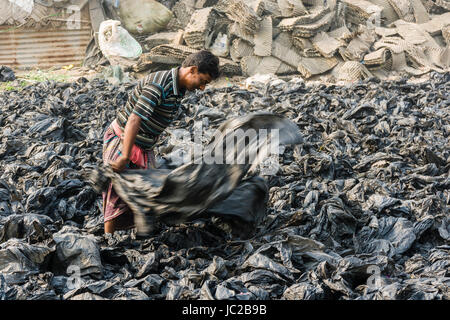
{"x":138,"y":156}
{"x":113,"y":206}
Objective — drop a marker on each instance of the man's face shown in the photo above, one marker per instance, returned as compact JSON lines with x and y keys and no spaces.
{"x":196,"y":80}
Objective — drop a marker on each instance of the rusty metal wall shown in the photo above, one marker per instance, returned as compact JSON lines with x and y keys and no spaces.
{"x":44,"y":47}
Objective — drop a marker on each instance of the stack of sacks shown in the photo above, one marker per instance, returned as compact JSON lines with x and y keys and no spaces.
{"x":316,"y":38}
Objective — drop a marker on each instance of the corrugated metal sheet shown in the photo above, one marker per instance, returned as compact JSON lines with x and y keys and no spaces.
{"x":21,"y":49}
{"x":45,"y":46}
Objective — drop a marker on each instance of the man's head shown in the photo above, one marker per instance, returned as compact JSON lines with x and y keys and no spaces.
{"x":198,"y":69}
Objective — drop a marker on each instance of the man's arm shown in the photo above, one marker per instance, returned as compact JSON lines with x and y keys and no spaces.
{"x":129,"y":136}
{"x":144,"y":108}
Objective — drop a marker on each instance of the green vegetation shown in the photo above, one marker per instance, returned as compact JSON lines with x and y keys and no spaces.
{"x":39,"y":76}
{"x":11,"y":85}
{"x":33,"y":77}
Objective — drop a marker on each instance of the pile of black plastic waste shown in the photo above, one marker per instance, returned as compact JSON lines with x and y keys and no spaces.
{"x":6,"y":74}
{"x":359,"y":210}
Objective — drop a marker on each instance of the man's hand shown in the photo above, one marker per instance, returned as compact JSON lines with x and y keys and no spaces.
{"x":130,"y":132}
{"x":120,"y":163}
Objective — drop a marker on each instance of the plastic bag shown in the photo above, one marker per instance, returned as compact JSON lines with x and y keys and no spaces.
{"x":115,"y":41}
{"x":220,"y":46}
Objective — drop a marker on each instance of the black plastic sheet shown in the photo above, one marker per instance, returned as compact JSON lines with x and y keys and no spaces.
{"x":184,"y":193}
{"x":6,"y":74}
{"x":358,"y":210}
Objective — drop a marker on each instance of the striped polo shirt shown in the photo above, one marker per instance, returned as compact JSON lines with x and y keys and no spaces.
{"x":156,"y":100}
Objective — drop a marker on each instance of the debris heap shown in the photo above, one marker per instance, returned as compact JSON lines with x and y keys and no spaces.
{"x":345,"y":40}
{"x":358,"y":211}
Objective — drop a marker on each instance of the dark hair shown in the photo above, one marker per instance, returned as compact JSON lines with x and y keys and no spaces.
{"x":205,"y":61}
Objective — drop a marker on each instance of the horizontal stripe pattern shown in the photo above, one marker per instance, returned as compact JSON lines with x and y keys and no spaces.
{"x":156,"y":100}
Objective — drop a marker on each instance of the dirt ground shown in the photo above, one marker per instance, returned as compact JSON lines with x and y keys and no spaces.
{"x":71,"y":73}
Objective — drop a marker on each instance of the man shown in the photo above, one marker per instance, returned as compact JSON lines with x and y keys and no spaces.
{"x":150,"y":108}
